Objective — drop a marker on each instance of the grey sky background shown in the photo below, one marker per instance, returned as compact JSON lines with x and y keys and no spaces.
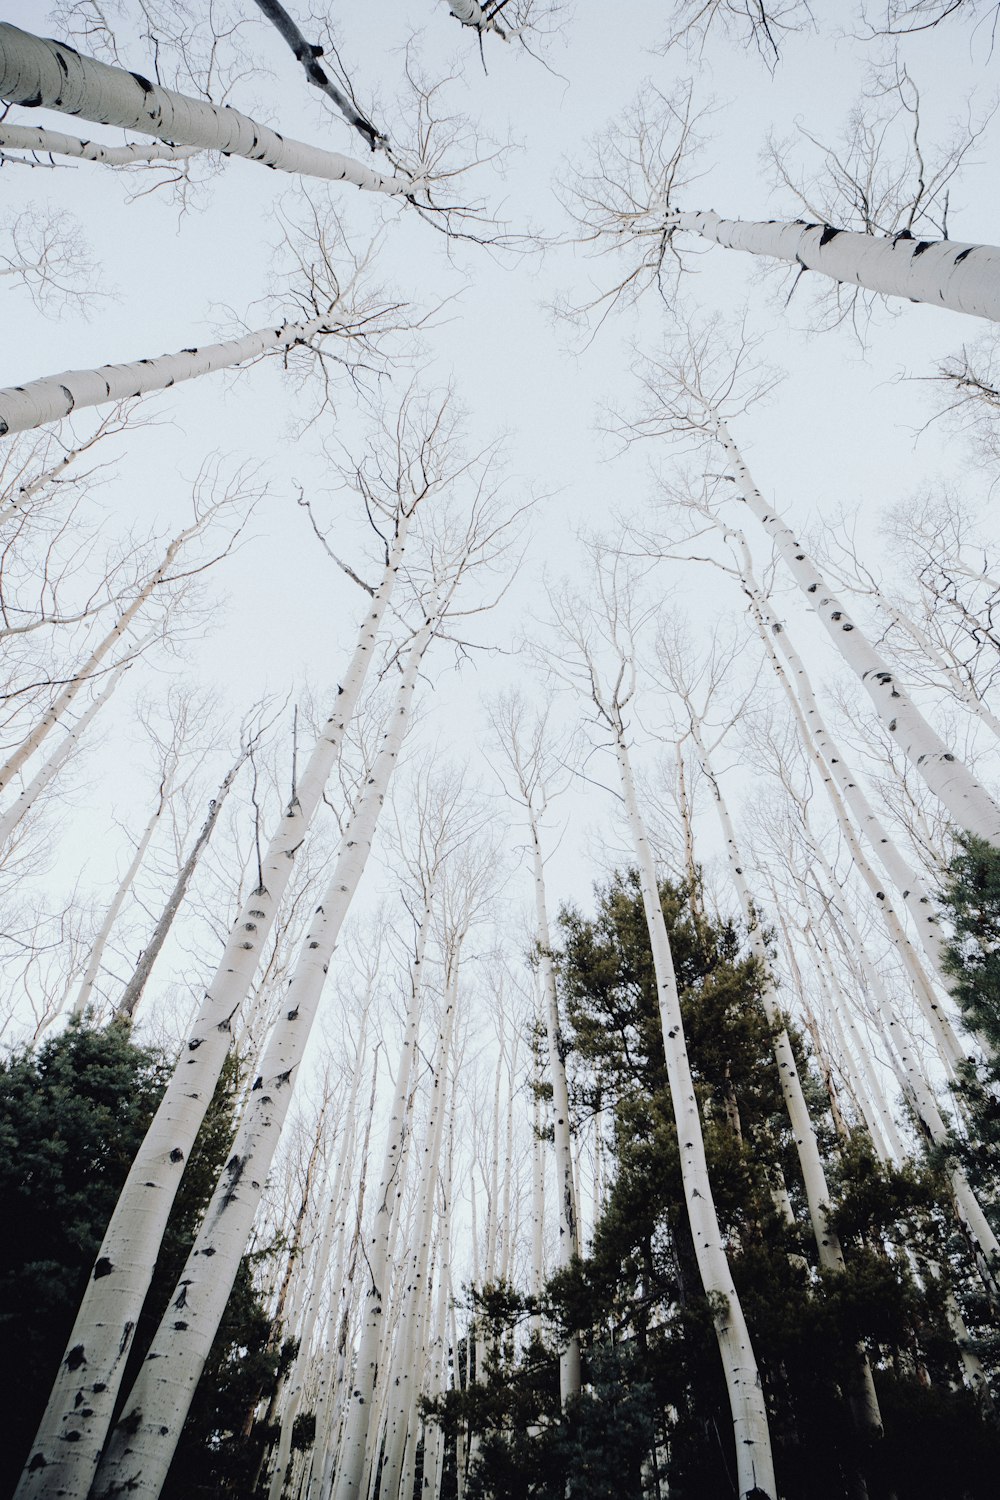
{"x":844,"y":431}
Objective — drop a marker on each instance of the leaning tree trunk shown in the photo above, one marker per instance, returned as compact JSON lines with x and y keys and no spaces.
{"x":34,"y":71}
{"x":965,"y":798}
{"x":51,"y":767}
{"x":754,"y":1464}
{"x":54,"y":143}
{"x":117,"y":901}
{"x":92,"y":665}
{"x":55,"y":396}
{"x":831,"y":764}
{"x":864,"y":1401}
{"x":132,"y":993}
{"x":351,"y":1454}
{"x":569,"y":1238}
{"x":308,"y":55}
{"x":142,"y":1445}
{"x":90,"y":1374}
{"x":943,"y":273}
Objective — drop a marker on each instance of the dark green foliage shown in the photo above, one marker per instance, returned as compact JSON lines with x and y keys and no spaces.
{"x":972,"y":907}
{"x":72,"y":1115}
{"x":654,"y":1392}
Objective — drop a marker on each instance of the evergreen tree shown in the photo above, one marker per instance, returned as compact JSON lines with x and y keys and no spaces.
{"x":653,"y":1396}
{"x":72,"y":1114}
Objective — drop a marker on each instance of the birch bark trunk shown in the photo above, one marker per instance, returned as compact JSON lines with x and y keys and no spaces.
{"x":351,"y":1455}
{"x":91,"y":1371}
{"x":47,"y":772}
{"x":143,"y":1444}
{"x":54,"y":143}
{"x":64,"y":699}
{"x":755,"y":1468}
{"x":831,"y":764}
{"x":568,"y":1242}
{"x":100,"y":942}
{"x":132,"y":993}
{"x":942,"y":273}
{"x":53,"y":397}
{"x":863,"y":1398}
{"x":965,"y":798}
{"x":36,"y":72}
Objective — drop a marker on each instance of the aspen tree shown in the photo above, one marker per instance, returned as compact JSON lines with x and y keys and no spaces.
{"x":626,"y":202}
{"x":144,"y":1441}
{"x":438,"y":834}
{"x":55,"y":76}
{"x":864,"y":1400}
{"x":107,"y":1317}
{"x":611,"y":688}
{"x":524,"y":744}
{"x":161,"y":578}
{"x":688,"y":393}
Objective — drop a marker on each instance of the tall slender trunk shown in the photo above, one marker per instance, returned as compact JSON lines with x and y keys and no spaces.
{"x":308,"y":55}
{"x":863,"y":1399}
{"x":143,"y":1443}
{"x":54,"y":143}
{"x":833,"y":769}
{"x":132,"y":993}
{"x":50,"y":768}
{"x":569,"y":1240}
{"x":34,"y":71}
{"x":351,"y":1454}
{"x":90,"y":1374}
{"x":100,"y":942}
{"x":92,"y":665}
{"x":404,"y":1385}
{"x":943,"y":273}
{"x":966,"y":799}
{"x":755,"y":1467}
{"x":53,"y":397}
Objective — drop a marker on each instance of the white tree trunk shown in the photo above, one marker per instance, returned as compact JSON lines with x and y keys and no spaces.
{"x":143,"y":1444}
{"x":54,"y":143}
{"x":56,"y":396}
{"x":831,"y":764}
{"x":966,"y":799}
{"x":91,"y":1370}
{"x":403,"y":1386}
{"x":963,"y":277}
{"x":49,"y":769}
{"x":100,"y":942}
{"x":755,"y":1467}
{"x":132,"y":994}
{"x":569,"y":1240}
{"x":863,"y":1398}
{"x":37,"y":72}
{"x":351,"y":1454}
{"x":92,"y":665}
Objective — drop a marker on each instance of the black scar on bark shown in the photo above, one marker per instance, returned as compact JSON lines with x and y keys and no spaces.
{"x":76,"y":1357}
{"x":829,"y":233}
{"x":38,"y":1462}
{"x":921,"y":247}
{"x":103,"y":1267}
{"x":177,"y":1154}
{"x":34,"y":103}
{"x":144,"y":83}
{"x":963,"y":253}
{"x":904,"y":234}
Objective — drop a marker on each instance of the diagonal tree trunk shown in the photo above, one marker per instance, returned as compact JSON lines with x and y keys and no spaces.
{"x":132,"y":993}
{"x":964,"y":796}
{"x":755,"y":1466}
{"x":53,"y":397}
{"x":965,"y":278}
{"x":143,"y":1443}
{"x":37,"y":72}
{"x":90,"y":1374}
{"x":54,"y":143}
{"x":308,"y":55}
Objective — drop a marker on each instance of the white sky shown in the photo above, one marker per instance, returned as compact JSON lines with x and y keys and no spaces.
{"x":838,"y":434}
